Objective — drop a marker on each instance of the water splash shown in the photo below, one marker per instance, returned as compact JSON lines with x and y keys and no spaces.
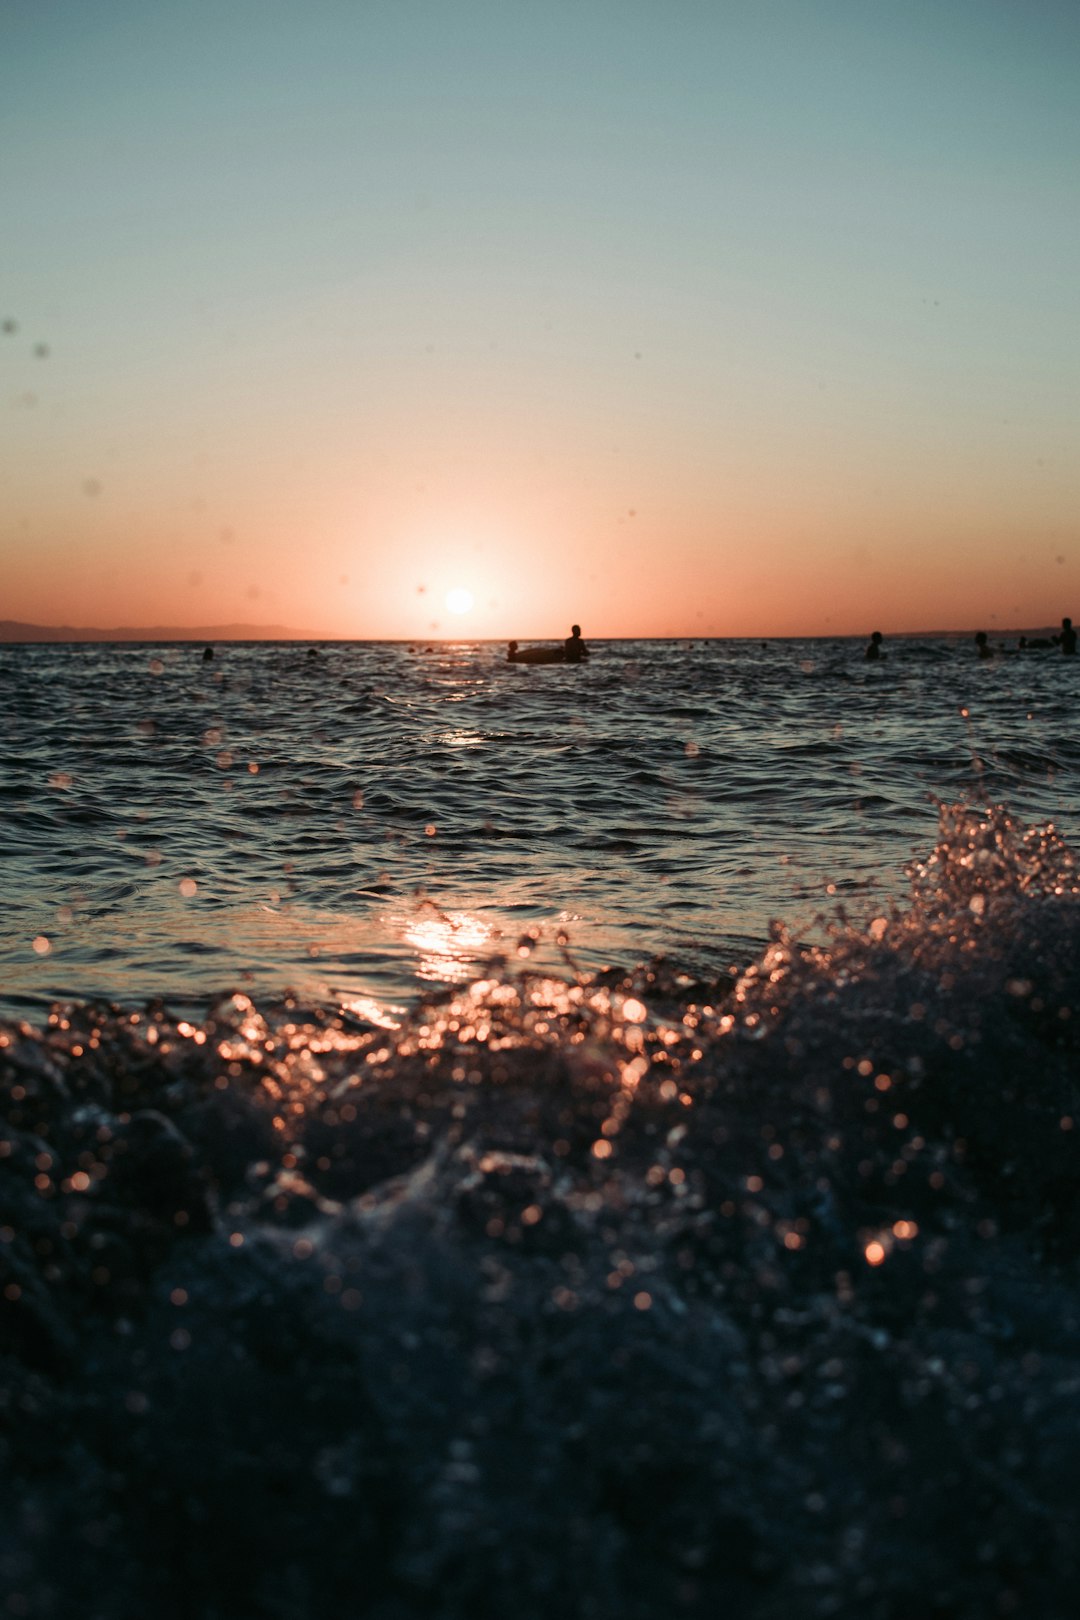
{"x":669,"y":1289}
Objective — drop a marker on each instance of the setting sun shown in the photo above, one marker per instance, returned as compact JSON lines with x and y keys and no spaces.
{"x":459,"y":600}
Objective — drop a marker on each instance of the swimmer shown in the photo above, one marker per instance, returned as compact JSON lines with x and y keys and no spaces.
{"x":874,"y":649}
{"x":576,"y":649}
{"x":1068,"y":638}
{"x":511,"y":652}
{"x":985,"y":650}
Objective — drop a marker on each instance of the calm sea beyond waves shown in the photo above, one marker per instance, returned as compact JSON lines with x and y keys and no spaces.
{"x":485,"y":1140}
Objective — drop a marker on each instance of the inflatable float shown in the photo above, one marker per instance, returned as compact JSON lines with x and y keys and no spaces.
{"x":534,"y":655}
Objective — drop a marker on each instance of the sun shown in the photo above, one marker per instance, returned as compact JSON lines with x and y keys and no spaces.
{"x":459,"y":600}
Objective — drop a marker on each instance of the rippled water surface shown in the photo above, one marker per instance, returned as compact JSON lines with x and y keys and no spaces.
{"x":354,"y":822}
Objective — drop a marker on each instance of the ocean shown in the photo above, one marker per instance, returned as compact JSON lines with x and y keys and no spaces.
{"x":586,"y":1140}
{"x":378,"y":817}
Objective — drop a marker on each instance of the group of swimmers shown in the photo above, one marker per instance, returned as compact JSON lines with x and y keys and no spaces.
{"x":574,"y":650}
{"x":1065,"y":640}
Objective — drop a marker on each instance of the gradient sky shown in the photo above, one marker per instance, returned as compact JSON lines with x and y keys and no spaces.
{"x":728,"y":317}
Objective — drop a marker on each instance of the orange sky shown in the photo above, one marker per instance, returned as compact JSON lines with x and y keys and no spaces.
{"x":668,"y":330}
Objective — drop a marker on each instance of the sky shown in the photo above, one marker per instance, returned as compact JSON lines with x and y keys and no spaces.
{"x":702,"y":317}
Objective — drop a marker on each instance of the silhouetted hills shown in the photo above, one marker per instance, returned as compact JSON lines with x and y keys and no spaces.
{"x":14,"y":630}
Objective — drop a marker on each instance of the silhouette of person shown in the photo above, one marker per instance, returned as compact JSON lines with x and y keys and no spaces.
{"x":511,"y":652}
{"x":208,"y":653}
{"x":985,"y":650}
{"x":874,"y":649}
{"x":1068,"y":638}
{"x":576,"y":649}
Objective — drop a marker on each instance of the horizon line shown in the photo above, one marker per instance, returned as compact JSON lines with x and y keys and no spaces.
{"x":24,"y":634}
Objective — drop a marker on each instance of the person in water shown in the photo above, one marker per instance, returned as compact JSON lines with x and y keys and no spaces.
{"x":576,"y":649}
{"x":1068,"y":638}
{"x":511,"y":652}
{"x":874,"y":649}
{"x":985,"y":650}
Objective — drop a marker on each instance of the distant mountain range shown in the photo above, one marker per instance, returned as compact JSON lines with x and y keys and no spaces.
{"x":14,"y":630}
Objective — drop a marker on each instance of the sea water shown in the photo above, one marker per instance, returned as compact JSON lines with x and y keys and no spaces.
{"x":374,"y":817}
{"x":593,"y":1141}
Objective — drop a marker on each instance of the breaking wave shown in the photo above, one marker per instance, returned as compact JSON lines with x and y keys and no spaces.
{"x":620,"y":1294}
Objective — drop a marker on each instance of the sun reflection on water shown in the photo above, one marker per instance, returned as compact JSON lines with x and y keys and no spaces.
{"x":449,"y":943}
{"x":371,"y":1011}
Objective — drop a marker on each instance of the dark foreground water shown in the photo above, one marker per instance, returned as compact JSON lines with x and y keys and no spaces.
{"x":574,"y":1286}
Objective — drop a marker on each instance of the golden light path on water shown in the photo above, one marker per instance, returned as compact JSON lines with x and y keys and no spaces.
{"x":448,"y":944}
{"x":441,"y":947}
